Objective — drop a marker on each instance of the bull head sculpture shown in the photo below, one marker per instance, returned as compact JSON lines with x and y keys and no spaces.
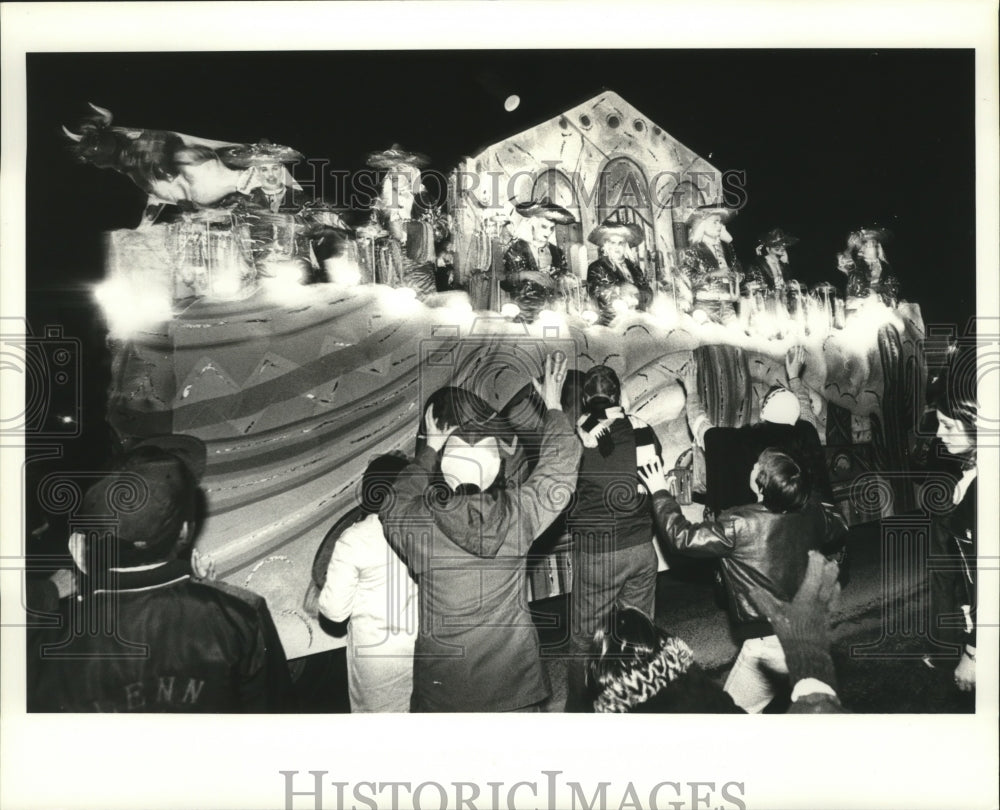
{"x":170,"y":167}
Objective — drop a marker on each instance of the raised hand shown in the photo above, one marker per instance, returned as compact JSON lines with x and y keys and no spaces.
{"x":436,"y":434}
{"x":550,"y":389}
{"x":795,"y":359}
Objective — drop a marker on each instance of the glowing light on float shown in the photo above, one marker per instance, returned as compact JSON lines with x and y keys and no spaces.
{"x":548,"y":317}
{"x":863,"y":323}
{"x":510,"y":310}
{"x":128,"y":311}
{"x":342,"y":270}
{"x":284,"y":281}
{"x":590,"y":317}
{"x":458,"y":311}
{"x":664,"y":310}
{"x":398,"y":301}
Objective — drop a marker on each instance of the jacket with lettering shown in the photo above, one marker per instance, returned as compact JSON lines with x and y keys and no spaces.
{"x":162,"y":641}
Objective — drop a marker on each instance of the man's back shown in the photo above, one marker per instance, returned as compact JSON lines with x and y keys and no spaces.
{"x":169,"y":643}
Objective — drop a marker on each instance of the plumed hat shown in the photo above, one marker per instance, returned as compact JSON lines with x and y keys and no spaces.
{"x":396,"y":155}
{"x":546,"y":209}
{"x":706,"y":211}
{"x":776,"y":237}
{"x":630,"y":232}
{"x":258,"y":154}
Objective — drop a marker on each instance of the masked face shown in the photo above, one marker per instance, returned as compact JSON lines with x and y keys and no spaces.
{"x":870,"y":250}
{"x":272,"y":177}
{"x":614,"y":249}
{"x":713,"y":227}
{"x":400,"y":188}
{"x":780,"y":254}
{"x":541,"y":231}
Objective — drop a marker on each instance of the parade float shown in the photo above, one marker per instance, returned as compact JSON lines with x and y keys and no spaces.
{"x":294,"y":387}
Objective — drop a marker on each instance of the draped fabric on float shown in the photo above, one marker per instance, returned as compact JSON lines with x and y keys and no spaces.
{"x":725,"y":385}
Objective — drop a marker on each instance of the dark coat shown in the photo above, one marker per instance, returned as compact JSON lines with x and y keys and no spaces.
{"x":209,"y":647}
{"x":530,"y":296}
{"x":605,"y":280}
{"x":859,"y":282}
{"x":760,"y":273}
{"x":755,"y":547}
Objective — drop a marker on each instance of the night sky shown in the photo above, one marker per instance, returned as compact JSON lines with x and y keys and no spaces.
{"x":830,"y":140}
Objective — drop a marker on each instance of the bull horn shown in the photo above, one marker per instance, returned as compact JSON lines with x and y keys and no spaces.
{"x":105,"y":114}
{"x":72,"y":135}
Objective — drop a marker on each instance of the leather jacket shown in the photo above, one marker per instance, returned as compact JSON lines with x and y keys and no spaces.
{"x":755,"y":547}
{"x":174,"y":644}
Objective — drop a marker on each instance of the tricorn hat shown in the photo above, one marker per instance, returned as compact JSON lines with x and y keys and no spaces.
{"x":628,"y":231}
{"x":396,"y":155}
{"x":260,"y":153}
{"x":705,"y":211}
{"x":776,"y":237}
{"x":546,"y":209}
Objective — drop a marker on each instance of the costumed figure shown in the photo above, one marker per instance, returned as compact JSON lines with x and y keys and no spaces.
{"x":709,"y":265}
{"x":271,"y":186}
{"x":770,"y":271}
{"x":872,"y":274}
{"x":537,"y":275}
{"x":768,"y":285}
{"x":279,"y":236}
{"x":405,"y":255}
{"x":615,"y":281}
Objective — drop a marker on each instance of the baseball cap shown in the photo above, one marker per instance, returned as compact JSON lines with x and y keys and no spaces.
{"x":150,"y":492}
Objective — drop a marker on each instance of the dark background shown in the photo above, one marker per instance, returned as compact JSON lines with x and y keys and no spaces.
{"x":830,"y":140}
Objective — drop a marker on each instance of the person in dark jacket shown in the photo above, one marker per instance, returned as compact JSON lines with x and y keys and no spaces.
{"x":536,"y":273}
{"x":872,"y":274}
{"x":953,"y":537}
{"x":614,"y":561}
{"x":709,"y":266}
{"x":615,"y":282}
{"x":769,"y":272}
{"x":765,"y":544}
{"x":144,"y":634}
